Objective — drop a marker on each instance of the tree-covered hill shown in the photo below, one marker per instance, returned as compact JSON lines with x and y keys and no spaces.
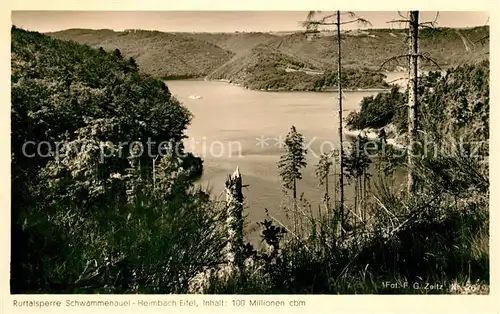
{"x":363,"y":48}
{"x":370,"y":48}
{"x":199,"y":54}
{"x":57,"y":86}
{"x":238,"y":43}
{"x":159,"y":54}
{"x":268,"y":68}
{"x":97,"y":205}
{"x":454,"y":104}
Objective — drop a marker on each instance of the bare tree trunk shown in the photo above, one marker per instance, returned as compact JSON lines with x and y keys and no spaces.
{"x":335,"y":182}
{"x":361,"y":197}
{"x":294,"y":190}
{"x":412,"y":97}
{"x":295,"y":204}
{"x":327,"y":194}
{"x":341,"y":155}
{"x":154,"y":172}
{"x":334,"y":208}
{"x":365,"y":213}
{"x":356,"y":197}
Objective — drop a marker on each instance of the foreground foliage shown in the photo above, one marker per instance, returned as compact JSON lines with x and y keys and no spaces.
{"x":433,"y":241}
{"x":87,"y":215}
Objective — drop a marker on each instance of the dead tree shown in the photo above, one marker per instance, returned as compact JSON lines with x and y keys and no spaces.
{"x":413,"y":117}
{"x":413,"y":105}
{"x":312,"y":27}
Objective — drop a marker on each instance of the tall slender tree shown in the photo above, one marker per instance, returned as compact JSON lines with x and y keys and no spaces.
{"x":322,"y":171}
{"x":412,"y":96}
{"x":291,"y":163}
{"x":312,"y":25}
{"x":413,"y":107}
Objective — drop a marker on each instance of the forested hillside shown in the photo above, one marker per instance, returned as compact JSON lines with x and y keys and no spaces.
{"x":162,"y":55}
{"x":226,"y":55}
{"x":87,"y":215}
{"x":454,"y":104}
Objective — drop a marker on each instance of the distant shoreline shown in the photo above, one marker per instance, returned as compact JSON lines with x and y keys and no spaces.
{"x":329,"y":90}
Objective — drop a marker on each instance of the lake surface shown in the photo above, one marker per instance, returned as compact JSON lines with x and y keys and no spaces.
{"x":235,"y":127}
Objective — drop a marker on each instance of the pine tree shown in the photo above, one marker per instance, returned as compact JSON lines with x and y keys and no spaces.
{"x":291,"y":163}
{"x":322,"y":172}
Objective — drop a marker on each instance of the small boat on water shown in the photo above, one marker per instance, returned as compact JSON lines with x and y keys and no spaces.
{"x":195,"y":97}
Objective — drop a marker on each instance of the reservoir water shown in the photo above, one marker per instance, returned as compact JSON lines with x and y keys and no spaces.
{"x":235,"y":127}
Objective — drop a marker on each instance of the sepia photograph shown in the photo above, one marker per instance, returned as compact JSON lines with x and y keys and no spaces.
{"x":250,"y":152}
